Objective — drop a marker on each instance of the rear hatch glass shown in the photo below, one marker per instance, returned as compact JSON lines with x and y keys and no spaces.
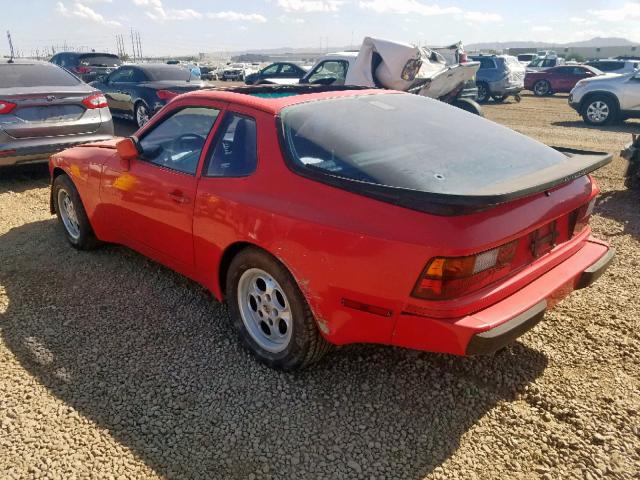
{"x":34,"y":75}
{"x":417,"y":151}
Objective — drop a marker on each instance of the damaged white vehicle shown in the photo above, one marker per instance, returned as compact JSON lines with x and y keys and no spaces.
{"x":397,"y":66}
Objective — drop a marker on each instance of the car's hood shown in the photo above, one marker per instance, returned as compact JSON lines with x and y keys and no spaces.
{"x":607,"y":77}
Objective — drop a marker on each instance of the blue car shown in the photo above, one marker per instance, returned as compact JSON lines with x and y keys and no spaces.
{"x":499,"y":77}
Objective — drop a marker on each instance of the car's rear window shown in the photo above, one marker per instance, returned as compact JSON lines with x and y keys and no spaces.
{"x":35,"y":75}
{"x":169,"y":72}
{"x":410,"y":142}
{"x":99,"y":60}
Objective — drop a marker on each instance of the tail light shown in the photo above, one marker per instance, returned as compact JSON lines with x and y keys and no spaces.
{"x":581,"y":217}
{"x":82,"y":69}
{"x":166,"y":94}
{"x":97,"y":100}
{"x":462,"y":58}
{"x":448,"y":277}
{"x":6,"y":107}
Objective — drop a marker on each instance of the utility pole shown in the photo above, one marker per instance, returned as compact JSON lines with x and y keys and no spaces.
{"x":139,"y":45}
{"x":10,"y":46}
{"x":133,"y":45}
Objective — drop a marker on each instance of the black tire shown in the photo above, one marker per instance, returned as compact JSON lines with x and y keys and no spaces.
{"x":306,"y":344}
{"x":483,"y":92}
{"x":499,"y":99}
{"x":468,"y":105}
{"x":542,"y":88}
{"x":85,"y":238}
{"x":602,"y":100}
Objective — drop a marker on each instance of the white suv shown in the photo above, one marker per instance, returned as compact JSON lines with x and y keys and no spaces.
{"x":613,"y":65}
{"x":606,"y":98}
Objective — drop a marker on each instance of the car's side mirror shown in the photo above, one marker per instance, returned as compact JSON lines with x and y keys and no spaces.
{"x":128,"y":149}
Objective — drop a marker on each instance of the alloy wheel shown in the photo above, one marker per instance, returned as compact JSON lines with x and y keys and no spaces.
{"x":142,"y":115}
{"x":598,"y":111}
{"x":68,"y":214}
{"x":265,"y":310}
{"x":541,"y":88}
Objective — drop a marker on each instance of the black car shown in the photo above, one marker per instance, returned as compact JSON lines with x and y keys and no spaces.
{"x":278,"y":70}
{"x":87,"y":66}
{"x":137,"y":92}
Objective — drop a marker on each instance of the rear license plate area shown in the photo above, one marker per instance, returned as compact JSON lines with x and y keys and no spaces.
{"x":544,"y":239}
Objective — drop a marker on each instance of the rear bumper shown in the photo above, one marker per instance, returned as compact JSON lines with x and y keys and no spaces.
{"x":32,"y":150}
{"x":494,"y":327}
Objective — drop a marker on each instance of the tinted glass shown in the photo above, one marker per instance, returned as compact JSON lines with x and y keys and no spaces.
{"x":123,"y":75}
{"x":177,"y":141}
{"x":270,"y":70}
{"x":47,"y":74}
{"x":419,"y":147}
{"x":168,"y":72}
{"x":330,"y":69}
{"x":286,"y":68}
{"x":235,"y":152}
{"x":99,"y":60}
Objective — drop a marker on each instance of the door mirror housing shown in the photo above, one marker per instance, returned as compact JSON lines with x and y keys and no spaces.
{"x":128,"y":149}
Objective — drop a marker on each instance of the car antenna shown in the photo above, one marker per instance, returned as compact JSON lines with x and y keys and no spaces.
{"x":10,"y":47}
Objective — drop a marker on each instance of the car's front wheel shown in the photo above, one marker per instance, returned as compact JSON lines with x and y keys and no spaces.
{"x":270,"y":314}
{"x":71,"y":214}
{"x":599,"y":110}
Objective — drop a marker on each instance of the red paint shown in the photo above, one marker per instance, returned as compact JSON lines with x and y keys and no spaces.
{"x":333,"y":245}
{"x":562,"y":79}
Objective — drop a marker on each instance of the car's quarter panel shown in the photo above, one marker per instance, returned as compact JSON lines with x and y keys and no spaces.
{"x":343,"y":247}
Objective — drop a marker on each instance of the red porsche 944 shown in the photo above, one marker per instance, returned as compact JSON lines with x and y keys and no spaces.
{"x":332,"y":215}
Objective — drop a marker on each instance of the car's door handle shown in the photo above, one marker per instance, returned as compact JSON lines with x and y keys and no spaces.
{"x":178,"y":197}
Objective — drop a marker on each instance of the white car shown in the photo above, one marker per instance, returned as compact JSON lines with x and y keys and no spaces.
{"x":603,"y":99}
{"x":613,"y":65}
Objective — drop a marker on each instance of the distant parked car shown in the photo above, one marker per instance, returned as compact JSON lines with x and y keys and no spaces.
{"x":236,"y":72}
{"x":499,"y":77}
{"x":137,"y":92}
{"x":526,"y":58}
{"x":208,"y":73}
{"x":87,"y":66}
{"x":607,"y":98}
{"x":45,"y":109}
{"x":611,"y":65}
{"x":558,"y":79}
{"x":276,"y":73}
{"x":542,"y":63}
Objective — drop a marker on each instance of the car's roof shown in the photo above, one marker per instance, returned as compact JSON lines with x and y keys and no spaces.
{"x":20,"y":61}
{"x":273,"y":98}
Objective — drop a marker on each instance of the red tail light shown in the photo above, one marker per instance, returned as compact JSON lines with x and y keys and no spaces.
{"x":96,"y":100}
{"x":6,"y":107}
{"x":463,"y":58}
{"x":166,"y":94}
{"x":582,"y":216}
{"x":82,"y":69}
{"x":448,"y":277}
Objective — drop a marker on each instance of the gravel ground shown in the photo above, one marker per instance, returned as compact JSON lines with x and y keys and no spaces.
{"x":113,"y":366}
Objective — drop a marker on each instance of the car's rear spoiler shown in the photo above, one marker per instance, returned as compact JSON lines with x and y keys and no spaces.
{"x":580,"y":163}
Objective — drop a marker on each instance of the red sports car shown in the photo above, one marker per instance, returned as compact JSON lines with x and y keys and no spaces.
{"x":330,"y":215}
{"x":558,"y":79}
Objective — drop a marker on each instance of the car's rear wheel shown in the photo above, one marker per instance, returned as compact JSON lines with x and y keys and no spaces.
{"x":270,"y":314}
{"x":141,"y":114}
{"x":541,"y":88}
{"x":71,"y":214}
{"x":483,"y":92}
{"x":599,"y":110}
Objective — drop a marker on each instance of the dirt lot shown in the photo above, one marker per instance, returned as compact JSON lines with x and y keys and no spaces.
{"x":112,"y":366}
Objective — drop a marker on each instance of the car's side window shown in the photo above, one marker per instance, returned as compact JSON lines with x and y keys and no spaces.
{"x":234,"y":153}
{"x":286,"y":68}
{"x":177,"y":141}
{"x":138,"y":76}
{"x":122,"y":75}
{"x":272,"y":70}
{"x":336,"y":69}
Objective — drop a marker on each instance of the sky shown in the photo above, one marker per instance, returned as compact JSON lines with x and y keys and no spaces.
{"x":179,"y":27}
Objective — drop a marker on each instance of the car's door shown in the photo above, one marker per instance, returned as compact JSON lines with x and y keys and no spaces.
{"x":559,"y":78}
{"x":115,"y":89}
{"x":154,"y":197}
{"x":289,"y":71}
{"x":270,"y":72}
{"x":577,"y":74}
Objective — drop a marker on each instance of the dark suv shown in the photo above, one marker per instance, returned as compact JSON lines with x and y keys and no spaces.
{"x":87,"y":66}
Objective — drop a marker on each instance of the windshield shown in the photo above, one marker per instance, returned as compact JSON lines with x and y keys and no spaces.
{"x":35,"y":75}
{"x":420,"y":147}
{"x":169,"y":72}
{"x":100,"y":60}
